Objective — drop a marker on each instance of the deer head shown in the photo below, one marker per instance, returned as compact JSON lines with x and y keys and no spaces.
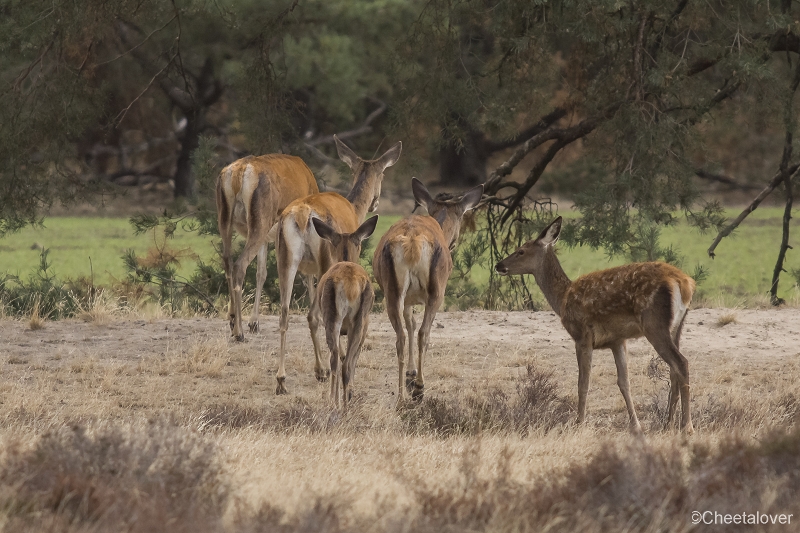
{"x":448,"y":213}
{"x":529,"y":257}
{"x":368,"y":173}
{"x":346,"y":246}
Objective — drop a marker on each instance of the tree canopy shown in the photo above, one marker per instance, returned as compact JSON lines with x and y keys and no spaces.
{"x":629,"y":105}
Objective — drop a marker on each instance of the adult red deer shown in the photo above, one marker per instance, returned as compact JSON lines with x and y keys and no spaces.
{"x":412,"y":264}
{"x":344,"y":298}
{"x":299,"y":248}
{"x":603,"y":309}
{"x":251,"y":194}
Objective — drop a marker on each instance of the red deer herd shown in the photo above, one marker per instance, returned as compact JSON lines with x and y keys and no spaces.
{"x":274,"y":198}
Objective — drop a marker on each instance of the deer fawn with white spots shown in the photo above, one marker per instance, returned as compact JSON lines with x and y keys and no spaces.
{"x":299,"y":248}
{"x":603,"y":309}
{"x":412,"y":264}
{"x":344,"y":298}
{"x":251,"y":194}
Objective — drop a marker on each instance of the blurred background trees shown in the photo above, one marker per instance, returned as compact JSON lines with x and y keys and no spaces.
{"x":634,"y":111}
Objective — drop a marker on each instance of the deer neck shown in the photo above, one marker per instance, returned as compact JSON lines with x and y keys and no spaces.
{"x":552,"y":280}
{"x":361,"y":194}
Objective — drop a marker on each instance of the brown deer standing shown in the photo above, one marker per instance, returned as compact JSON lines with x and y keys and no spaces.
{"x":251,"y":194}
{"x":412,"y":264}
{"x":344,"y":298}
{"x":299,"y":248}
{"x":603,"y":309}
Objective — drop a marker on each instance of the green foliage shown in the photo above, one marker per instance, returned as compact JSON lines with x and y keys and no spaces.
{"x":43,"y":293}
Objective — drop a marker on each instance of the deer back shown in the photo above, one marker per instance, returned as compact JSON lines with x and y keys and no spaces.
{"x":256,"y":189}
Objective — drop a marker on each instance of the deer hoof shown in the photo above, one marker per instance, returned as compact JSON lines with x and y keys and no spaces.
{"x":281,"y":388}
{"x":418,"y":392}
{"x":322,"y":375}
{"x":253,"y":327}
{"x":239,"y":338}
{"x":411,"y":376}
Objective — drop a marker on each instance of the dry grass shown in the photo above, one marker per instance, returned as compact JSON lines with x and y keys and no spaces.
{"x":727,"y":318}
{"x":36,"y":321}
{"x":166,"y":425}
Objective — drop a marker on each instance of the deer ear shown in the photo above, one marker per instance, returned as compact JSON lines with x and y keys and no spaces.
{"x":346,"y":154}
{"x":391,"y":156}
{"x":421,"y":194}
{"x":471,"y":198}
{"x":441,"y":216}
{"x":324,"y":230}
{"x":366,"y":229}
{"x":549,"y":235}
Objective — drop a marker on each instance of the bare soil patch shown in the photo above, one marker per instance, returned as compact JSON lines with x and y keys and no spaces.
{"x":365,"y":467}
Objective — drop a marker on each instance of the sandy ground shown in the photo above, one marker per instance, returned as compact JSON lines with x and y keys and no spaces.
{"x":469,"y":349}
{"x":128,"y":368}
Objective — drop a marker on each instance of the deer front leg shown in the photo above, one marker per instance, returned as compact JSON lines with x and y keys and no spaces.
{"x":621,"y":359}
{"x":261,"y":277}
{"x":583,"y":349}
{"x":411,"y":326}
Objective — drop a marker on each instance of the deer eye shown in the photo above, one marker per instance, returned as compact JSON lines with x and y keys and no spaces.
{"x":521,"y":252}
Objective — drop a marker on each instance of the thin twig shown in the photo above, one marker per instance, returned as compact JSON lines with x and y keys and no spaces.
{"x":128,"y":51}
{"x":121,"y":115}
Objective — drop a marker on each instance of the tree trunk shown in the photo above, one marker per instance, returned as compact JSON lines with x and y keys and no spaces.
{"x":184,"y":179}
{"x":464,"y":165}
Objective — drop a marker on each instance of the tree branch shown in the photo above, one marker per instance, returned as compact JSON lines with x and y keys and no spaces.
{"x":710,"y":176}
{"x":779,"y":177}
{"x":349,"y":134}
{"x":543,"y":123}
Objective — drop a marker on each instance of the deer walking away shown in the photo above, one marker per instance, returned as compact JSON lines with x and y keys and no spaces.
{"x":344,"y":298}
{"x":251,"y":193}
{"x":412,"y":263}
{"x":300,"y":249}
{"x":606,"y":308}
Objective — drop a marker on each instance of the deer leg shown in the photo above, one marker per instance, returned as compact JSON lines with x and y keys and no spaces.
{"x":411,"y":326}
{"x":583,"y":350}
{"x":674,"y":392}
{"x":656,"y":330}
{"x":620,"y":352}
{"x":393,"y":310}
{"x":261,"y":277}
{"x":355,"y":340}
{"x":321,"y":372}
{"x":431,"y":307}
{"x":239,"y":269}
{"x":332,"y":336}
{"x":287,"y":270}
{"x":226,"y":233}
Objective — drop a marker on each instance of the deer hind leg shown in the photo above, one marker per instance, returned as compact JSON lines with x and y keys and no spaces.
{"x":411,"y":326}
{"x":674,"y":393}
{"x":239,"y":270}
{"x":287,"y":270}
{"x":261,"y":277}
{"x":431,"y":307}
{"x":225,"y":225}
{"x":656,"y":321}
{"x":393,"y":310}
{"x":583,"y":350}
{"x":355,"y":340}
{"x":321,"y":371}
{"x":621,"y":359}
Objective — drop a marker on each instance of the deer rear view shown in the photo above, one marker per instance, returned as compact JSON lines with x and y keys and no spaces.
{"x":344,"y":298}
{"x":606,"y":308}
{"x":412,"y":264}
{"x":251,"y":193}
{"x":300,"y":249}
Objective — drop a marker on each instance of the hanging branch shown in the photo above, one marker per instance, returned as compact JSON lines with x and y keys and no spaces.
{"x":774,"y":182}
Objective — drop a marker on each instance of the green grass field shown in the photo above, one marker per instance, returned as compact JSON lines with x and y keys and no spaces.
{"x":740,"y":274}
